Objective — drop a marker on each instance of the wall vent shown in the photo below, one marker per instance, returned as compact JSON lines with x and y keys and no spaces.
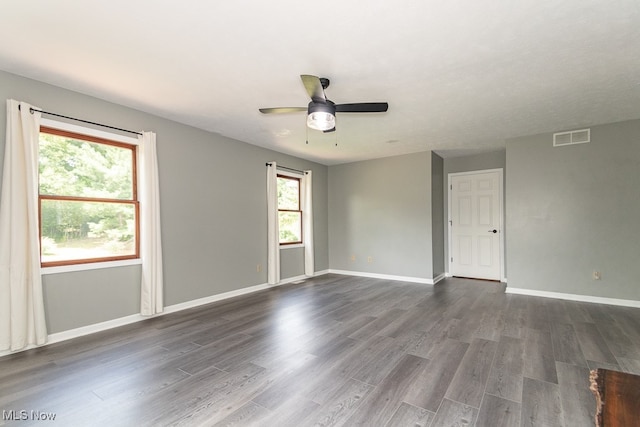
{"x":571,"y":137}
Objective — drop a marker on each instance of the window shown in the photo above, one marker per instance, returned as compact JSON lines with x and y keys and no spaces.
{"x":289,"y":212}
{"x":88,"y":199}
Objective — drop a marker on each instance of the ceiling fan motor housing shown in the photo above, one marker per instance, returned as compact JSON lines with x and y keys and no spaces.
{"x":324,"y":107}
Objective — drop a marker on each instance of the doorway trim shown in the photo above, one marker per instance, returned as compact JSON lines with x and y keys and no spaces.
{"x":500,"y":171}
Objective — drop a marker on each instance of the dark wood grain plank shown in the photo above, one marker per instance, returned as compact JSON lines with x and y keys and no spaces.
{"x":536,"y":314}
{"x":505,"y":379}
{"x":539,"y":361}
{"x":192,"y":401}
{"x":557,"y":312}
{"x":593,"y":345}
{"x":498,"y":412}
{"x":380,"y":323}
{"x":464,"y":330}
{"x":378,"y":360}
{"x":432,"y":383}
{"x":514,"y":317}
{"x":631,"y":366}
{"x":294,"y":413}
{"x":469,"y":382}
{"x":140,"y":383}
{"x":617,"y":338}
{"x":320,"y":377}
{"x":342,"y":404}
{"x":424,"y":344}
{"x":541,"y":404}
{"x":489,"y":325}
{"x":565,"y":345}
{"x":409,"y":415}
{"x":415,"y":319}
{"x":455,"y":414}
{"x":578,"y":403}
{"x":630,"y":325}
{"x":206,"y":356}
{"x":379,"y":406}
{"x":248,"y":414}
{"x":578,"y":312}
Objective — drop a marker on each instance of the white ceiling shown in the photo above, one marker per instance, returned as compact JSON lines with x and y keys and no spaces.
{"x":460,"y":76}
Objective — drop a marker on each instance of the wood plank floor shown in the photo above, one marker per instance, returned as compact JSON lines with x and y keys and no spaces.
{"x":334,"y":350}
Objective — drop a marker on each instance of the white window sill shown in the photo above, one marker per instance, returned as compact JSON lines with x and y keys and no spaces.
{"x":89,"y":266}
{"x":297,"y":245}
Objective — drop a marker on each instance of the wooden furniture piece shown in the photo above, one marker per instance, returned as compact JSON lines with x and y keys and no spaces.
{"x":617,"y":398}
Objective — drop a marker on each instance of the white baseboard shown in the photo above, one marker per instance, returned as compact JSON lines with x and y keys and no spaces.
{"x":422,"y":280}
{"x":126,"y":320}
{"x":213,"y":298}
{"x":447,"y":274}
{"x":231,"y":294}
{"x":574,"y":297}
{"x":439,"y":278}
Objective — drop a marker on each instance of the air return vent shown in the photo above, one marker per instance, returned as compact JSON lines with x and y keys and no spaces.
{"x":571,"y":137}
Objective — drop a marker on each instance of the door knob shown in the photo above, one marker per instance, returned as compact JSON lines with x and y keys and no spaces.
{"x":494,"y":231}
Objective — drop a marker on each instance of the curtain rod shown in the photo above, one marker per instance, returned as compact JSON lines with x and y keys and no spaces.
{"x":286,"y":168}
{"x":32,"y":110}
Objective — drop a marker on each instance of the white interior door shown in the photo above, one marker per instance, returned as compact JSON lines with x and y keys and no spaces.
{"x":475,"y":228}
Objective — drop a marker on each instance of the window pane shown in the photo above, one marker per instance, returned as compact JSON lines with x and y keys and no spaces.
{"x":82,"y":230}
{"x":288,"y":193}
{"x":72,"y":167}
{"x":290,"y":227}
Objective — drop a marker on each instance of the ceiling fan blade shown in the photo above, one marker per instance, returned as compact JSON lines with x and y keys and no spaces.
{"x":362,"y":107}
{"x":279,"y":110}
{"x":314,"y":87}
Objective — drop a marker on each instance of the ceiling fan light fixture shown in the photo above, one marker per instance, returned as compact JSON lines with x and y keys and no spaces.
{"x":321,"y":115}
{"x":321,"y":120}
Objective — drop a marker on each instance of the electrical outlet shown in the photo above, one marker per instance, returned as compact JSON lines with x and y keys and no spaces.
{"x":369,"y":259}
{"x":258,"y":268}
{"x":597,"y":275}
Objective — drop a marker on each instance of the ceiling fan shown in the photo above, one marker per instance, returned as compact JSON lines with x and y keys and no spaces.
{"x":321,"y":112}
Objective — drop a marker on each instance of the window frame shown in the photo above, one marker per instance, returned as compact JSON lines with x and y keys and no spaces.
{"x":296,"y":177}
{"x":107,"y":138}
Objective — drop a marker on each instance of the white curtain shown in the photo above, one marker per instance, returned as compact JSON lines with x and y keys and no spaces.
{"x":151,"y":296}
{"x":22,"y":318}
{"x":307,"y":223}
{"x":273,"y":232}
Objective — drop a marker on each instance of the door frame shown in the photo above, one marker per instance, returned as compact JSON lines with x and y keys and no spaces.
{"x":500,"y":171}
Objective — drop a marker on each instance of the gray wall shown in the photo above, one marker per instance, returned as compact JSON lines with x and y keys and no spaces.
{"x":476,"y":162}
{"x":382,"y":209}
{"x":575,"y":209}
{"x":213,"y":210}
{"x":437,"y":214}
{"x":490,"y":160}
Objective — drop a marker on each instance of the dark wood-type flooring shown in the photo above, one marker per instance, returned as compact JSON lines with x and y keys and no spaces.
{"x":334,"y":350}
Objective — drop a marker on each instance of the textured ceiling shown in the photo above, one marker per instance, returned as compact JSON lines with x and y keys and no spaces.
{"x":459,"y":76}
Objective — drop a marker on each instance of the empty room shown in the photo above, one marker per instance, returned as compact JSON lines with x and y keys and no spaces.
{"x":249,"y":213}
